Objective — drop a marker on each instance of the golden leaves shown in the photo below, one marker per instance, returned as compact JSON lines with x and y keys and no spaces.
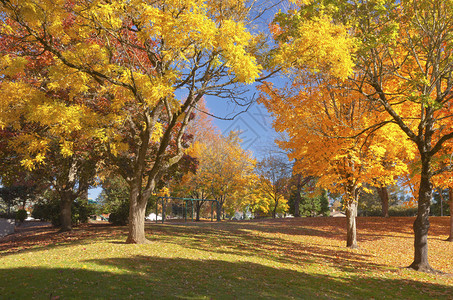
{"x":320,"y":46}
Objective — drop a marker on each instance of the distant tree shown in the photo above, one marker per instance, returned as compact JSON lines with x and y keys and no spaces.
{"x":274,"y":174}
{"x":224,"y":170}
{"x":450,"y":196}
{"x":297,"y":183}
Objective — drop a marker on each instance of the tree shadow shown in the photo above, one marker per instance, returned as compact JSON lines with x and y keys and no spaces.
{"x":47,"y":237}
{"x":368,"y":228}
{"x":245,"y":243}
{"x":147,"y":277}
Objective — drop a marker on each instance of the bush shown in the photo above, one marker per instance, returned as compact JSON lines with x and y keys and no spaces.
{"x":400,"y":211}
{"x":120,"y":214}
{"x":21,"y":215}
{"x":7,"y":215}
{"x":394,"y":211}
{"x":49,"y":210}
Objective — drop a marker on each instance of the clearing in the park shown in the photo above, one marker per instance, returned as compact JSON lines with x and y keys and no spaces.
{"x":303,"y":258}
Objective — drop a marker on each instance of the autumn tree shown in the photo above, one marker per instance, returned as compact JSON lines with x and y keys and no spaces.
{"x":274,"y":173}
{"x":324,"y":121}
{"x":42,"y":128}
{"x":224,"y":170}
{"x":450,"y":198}
{"x":402,"y":64}
{"x":132,"y":58}
{"x":260,"y":200}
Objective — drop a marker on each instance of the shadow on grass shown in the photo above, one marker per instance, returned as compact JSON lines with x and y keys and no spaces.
{"x":143,"y":277}
{"x":48,"y":237}
{"x":368,"y":228}
{"x":246,"y":244}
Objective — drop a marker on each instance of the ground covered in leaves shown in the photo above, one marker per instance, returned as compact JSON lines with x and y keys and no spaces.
{"x":283,"y":258}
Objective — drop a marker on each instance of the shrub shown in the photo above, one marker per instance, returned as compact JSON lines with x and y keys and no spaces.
{"x":400,"y":211}
{"x":21,"y":215}
{"x":49,"y":210}
{"x":7,"y":215}
{"x":120,"y":214}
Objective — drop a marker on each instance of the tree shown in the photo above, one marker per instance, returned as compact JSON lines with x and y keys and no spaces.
{"x":314,"y":203}
{"x":450,"y":196}
{"x":224,"y":171}
{"x":131,"y":59}
{"x":193,"y":182}
{"x":42,"y":127}
{"x":68,"y":165}
{"x":274,"y":176}
{"x":402,"y":64}
{"x":259,"y":200}
{"x":299,"y":183}
{"x":324,"y":121}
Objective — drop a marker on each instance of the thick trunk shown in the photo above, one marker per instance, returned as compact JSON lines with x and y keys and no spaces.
{"x":450,"y":196}
{"x":351,"y":213}
{"x":67,"y":192}
{"x":421,"y":224}
{"x":219,"y":210}
{"x":384,"y":195}
{"x":137,"y":209}
{"x":65,"y":213}
{"x":198,"y":205}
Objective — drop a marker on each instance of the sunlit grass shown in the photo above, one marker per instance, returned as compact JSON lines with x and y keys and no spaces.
{"x":281,"y":259}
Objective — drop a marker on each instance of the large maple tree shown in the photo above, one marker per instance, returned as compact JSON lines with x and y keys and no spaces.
{"x":133,"y":57}
{"x":324,"y":123}
{"x":403,"y":65}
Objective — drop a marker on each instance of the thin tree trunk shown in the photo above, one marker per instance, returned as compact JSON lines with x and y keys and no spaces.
{"x":450,"y":195}
{"x":421,"y":223}
{"x":137,"y":209}
{"x":297,"y":200}
{"x":274,"y":211}
{"x":384,"y":195}
{"x":84,"y":193}
{"x":351,"y":229}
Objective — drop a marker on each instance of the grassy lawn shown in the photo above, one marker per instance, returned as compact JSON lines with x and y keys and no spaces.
{"x":278,"y":259}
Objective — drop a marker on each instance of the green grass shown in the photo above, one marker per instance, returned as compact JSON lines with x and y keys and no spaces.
{"x":277,"y":259}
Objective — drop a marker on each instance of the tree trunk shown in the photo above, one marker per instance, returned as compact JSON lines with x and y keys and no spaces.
{"x":137,"y":209}
{"x":297,"y":200}
{"x":450,"y":196}
{"x":65,"y":213}
{"x":421,"y":223}
{"x":198,"y":205}
{"x":384,"y":195}
{"x":219,"y":210}
{"x":84,"y":192}
{"x":351,"y":213}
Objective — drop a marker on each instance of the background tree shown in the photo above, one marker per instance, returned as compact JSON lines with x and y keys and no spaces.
{"x":298,"y":183}
{"x":224,"y":170}
{"x":314,"y":203}
{"x":324,"y":122}
{"x":274,"y":175}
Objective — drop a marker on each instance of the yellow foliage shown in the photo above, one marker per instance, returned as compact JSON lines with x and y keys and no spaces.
{"x":320,"y":46}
